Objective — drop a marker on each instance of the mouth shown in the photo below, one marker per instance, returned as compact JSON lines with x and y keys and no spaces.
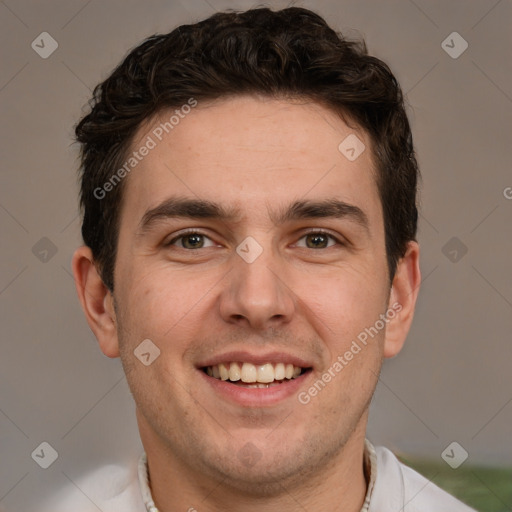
{"x":252,"y":376}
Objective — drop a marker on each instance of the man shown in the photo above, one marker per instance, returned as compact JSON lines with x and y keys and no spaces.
{"x":249,"y":198}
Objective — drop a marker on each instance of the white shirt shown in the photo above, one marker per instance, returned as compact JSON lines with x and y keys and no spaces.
{"x":393,"y":487}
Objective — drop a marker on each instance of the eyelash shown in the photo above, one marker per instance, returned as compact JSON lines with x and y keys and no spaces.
{"x":195,"y":232}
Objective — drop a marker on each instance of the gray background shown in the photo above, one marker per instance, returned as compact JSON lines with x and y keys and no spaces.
{"x":452,"y":382}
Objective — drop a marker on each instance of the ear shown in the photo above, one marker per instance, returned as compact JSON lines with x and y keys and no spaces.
{"x":402,"y":299}
{"x":97,"y":301}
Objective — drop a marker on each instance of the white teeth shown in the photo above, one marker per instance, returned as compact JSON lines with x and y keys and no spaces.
{"x":279,"y":371}
{"x":266,"y":373}
{"x":224,"y":373}
{"x":234,"y":372}
{"x":260,"y":375}
{"x":249,"y":373}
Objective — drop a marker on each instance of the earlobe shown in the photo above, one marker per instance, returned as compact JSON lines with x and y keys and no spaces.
{"x":402,"y":300}
{"x":96,"y":301}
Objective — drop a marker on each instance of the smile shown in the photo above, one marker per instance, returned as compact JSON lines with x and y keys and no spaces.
{"x":254,"y":376}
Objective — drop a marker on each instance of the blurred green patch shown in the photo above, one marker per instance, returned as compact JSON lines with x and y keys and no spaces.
{"x":486,"y":489}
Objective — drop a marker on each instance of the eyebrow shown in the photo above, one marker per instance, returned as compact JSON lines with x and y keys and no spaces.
{"x":179,"y":207}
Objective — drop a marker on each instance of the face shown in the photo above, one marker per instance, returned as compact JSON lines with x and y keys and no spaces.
{"x":281,"y":261}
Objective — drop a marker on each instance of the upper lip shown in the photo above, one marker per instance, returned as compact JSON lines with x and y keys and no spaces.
{"x":259,"y":358}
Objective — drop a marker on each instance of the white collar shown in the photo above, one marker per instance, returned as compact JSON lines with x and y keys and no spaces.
{"x":370,"y":462}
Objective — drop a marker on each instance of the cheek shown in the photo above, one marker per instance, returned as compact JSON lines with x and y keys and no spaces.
{"x":345,"y":306}
{"x":161,"y":305}
{"x":156,"y":308}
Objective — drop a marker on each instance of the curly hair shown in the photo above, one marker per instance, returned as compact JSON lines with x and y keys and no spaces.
{"x":289,"y":53}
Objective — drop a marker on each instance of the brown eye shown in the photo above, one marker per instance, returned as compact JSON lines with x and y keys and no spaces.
{"x":319,"y":240}
{"x":193,"y":241}
{"x":190,"y":240}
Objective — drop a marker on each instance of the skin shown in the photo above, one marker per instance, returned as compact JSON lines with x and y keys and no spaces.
{"x":257,"y":155}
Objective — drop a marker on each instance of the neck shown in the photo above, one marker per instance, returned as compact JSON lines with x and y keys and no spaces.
{"x":178,"y":485}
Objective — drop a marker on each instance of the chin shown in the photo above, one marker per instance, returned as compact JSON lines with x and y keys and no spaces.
{"x":258,"y":472}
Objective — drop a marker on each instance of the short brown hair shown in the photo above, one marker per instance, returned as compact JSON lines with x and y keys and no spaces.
{"x":286,"y":53}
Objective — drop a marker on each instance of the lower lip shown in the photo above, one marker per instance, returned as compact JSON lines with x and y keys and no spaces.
{"x":255,"y":397}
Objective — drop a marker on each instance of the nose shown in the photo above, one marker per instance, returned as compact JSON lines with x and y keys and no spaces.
{"x":257,"y":293}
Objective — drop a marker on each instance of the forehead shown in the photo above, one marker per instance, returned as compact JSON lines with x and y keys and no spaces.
{"x":249,"y":151}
